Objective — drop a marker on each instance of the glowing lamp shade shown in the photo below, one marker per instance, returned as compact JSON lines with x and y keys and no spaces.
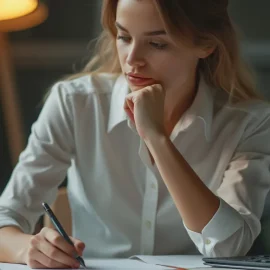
{"x":16,"y":15}
{"x":11,"y":9}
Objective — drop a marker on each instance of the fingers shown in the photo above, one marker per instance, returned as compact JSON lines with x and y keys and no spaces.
{"x":79,"y":245}
{"x":55,"y":254}
{"x":129,"y":103}
{"x":50,"y":249}
{"x":36,"y":265}
{"x":158,"y":86}
{"x":57,"y":240}
{"x":131,"y":116}
{"x":129,"y":109}
{"x":154,"y":87}
{"x":146,"y":93}
{"x":41,"y":261}
{"x":134,"y":96}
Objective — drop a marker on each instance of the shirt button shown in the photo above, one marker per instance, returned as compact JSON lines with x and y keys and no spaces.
{"x":148,"y":224}
{"x":153,"y":186}
{"x":207,"y":241}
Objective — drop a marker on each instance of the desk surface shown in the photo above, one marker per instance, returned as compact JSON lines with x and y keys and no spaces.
{"x":136,"y":262}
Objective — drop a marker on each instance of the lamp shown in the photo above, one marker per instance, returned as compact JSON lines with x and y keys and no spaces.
{"x":11,"y":10}
{"x":15,"y":15}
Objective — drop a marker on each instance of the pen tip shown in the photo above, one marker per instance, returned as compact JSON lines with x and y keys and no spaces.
{"x":81,"y":261}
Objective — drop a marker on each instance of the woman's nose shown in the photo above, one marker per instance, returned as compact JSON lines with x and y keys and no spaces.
{"x":135,"y":57}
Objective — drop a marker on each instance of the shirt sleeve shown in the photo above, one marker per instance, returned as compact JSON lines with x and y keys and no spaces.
{"x":42,"y":166}
{"x":245,"y":185}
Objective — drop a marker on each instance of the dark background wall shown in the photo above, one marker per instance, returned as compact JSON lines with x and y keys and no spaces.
{"x":59,"y":46}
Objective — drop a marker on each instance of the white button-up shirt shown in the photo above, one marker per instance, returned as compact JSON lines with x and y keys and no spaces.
{"x":119,"y":202}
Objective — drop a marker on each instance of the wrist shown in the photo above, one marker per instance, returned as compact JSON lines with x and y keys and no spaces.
{"x":14,"y":245}
{"x":155,"y":140}
{"x":21,"y":254}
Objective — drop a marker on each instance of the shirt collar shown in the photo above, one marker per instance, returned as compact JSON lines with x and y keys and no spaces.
{"x":201,"y":108}
{"x":117,"y":112}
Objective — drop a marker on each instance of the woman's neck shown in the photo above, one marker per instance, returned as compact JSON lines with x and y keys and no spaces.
{"x":178,"y":101}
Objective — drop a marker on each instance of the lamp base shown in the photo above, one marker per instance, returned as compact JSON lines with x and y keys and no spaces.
{"x":8,"y":96}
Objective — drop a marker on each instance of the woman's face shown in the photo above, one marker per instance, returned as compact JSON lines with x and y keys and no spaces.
{"x":144,"y":48}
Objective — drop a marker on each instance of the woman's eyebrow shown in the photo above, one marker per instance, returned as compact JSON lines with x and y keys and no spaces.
{"x":152,"y":33}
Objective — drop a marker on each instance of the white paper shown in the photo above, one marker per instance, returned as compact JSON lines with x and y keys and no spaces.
{"x":100,"y":264}
{"x":121,"y":264}
{"x":182,"y":261}
{"x":8,"y":266}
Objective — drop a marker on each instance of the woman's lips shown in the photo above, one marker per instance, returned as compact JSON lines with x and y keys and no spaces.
{"x":140,"y":81}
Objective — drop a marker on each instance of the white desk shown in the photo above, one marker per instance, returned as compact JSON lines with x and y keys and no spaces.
{"x":134,"y":263}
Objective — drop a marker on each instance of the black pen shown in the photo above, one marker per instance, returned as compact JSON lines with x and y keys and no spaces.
{"x":61,"y":230}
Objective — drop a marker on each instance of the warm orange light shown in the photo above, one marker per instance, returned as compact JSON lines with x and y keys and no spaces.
{"x":11,"y":9}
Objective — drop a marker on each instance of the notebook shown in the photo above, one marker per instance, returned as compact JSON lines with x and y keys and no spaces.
{"x":134,"y":262}
{"x":260,"y":262}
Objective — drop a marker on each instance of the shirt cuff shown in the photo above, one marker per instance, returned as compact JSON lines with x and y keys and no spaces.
{"x":11,"y":222}
{"x":9,"y":217}
{"x":225,"y":222}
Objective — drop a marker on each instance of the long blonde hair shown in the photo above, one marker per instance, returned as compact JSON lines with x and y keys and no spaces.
{"x":202,"y":23}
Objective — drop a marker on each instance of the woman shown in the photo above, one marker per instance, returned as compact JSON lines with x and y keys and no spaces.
{"x":163,"y":138}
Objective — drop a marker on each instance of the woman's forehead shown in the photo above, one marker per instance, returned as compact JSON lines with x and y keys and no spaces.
{"x":137,"y":10}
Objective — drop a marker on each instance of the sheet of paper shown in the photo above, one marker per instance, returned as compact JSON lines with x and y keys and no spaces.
{"x":121,"y":264}
{"x":215,"y":268}
{"x":7,"y":266}
{"x":182,"y":261}
{"x":100,"y":264}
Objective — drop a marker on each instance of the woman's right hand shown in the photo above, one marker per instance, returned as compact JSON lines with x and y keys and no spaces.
{"x":48,"y":249}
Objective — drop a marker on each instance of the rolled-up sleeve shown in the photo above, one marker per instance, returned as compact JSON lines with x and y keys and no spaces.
{"x":42,"y":166}
{"x":245,"y":185}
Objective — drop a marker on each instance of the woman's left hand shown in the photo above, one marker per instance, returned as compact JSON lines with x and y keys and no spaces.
{"x":145,"y":108}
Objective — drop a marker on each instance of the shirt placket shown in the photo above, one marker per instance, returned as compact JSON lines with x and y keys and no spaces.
{"x":150,"y":201}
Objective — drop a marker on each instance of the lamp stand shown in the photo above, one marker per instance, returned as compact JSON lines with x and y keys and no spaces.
{"x":9,"y":100}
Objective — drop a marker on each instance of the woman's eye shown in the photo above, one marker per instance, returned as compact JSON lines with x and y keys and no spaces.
{"x":159,"y":46}
{"x":126,"y":39}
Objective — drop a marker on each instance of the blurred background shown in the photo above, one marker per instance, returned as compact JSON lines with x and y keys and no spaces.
{"x":59,"y":46}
